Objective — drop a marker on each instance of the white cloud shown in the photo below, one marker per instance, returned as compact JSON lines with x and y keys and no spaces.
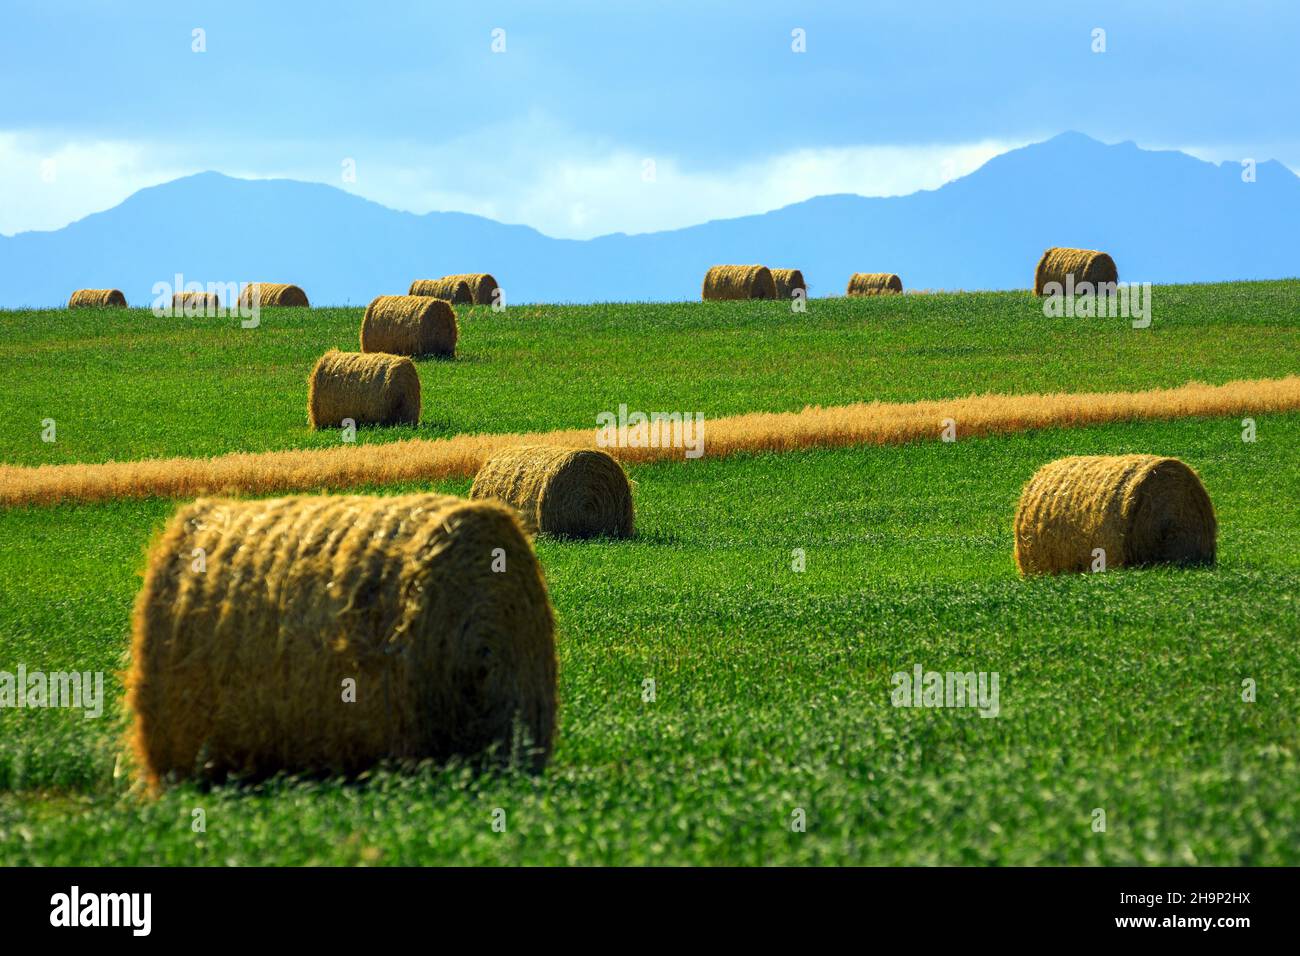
{"x":527,"y":172}
{"x":46,"y":184}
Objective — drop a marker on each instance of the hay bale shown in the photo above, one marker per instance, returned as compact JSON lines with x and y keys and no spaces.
{"x":97,"y":299}
{"x":482,"y":287}
{"x":409,"y":325}
{"x":1086,"y":265}
{"x":371,"y":389}
{"x":273,"y":293}
{"x":874,"y":283}
{"x":195,"y":303}
{"x":578,"y":493}
{"x":452,"y":288}
{"x":787,"y":281}
{"x":240,"y":668}
{"x":738,"y":282}
{"x":1141,"y":509}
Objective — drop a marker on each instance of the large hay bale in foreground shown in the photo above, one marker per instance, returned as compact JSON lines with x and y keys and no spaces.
{"x":409,"y":325}
{"x":874,"y":283}
{"x":371,"y":389}
{"x":243,"y":667}
{"x":787,"y":281}
{"x":195,"y":303}
{"x":452,"y":288}
{"x":273,"y":293}
{"x":1086,"y":265}
{"x":1140,"y":509}
{"x":97,"y":299}
{"x":578,"y":493}
{"x":724,"y":283}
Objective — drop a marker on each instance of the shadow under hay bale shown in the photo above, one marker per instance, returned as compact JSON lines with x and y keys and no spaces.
{"x":97,"y":299}
{"x":453,"y":289}
{"x":409,"y":325}
{"x":787,"y":281}
{"x":727,"y":283}
{"x":371,"y":389}
{"x":1139,"y":509}
{"x":273,"y":294}
{"x":562,"y":491}
{"x":874,"y":283}
{"x":243,"y":668}
{"x":1086,"y":265}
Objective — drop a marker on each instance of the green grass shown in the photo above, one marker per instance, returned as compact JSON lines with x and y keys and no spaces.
{"x":132,"y":385}
{"x":1119,"y":691}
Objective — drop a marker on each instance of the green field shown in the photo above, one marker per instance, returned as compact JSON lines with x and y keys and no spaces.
{"x":1119,"y":691}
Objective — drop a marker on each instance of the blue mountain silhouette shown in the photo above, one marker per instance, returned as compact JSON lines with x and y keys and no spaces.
{"x":1164,"y":216}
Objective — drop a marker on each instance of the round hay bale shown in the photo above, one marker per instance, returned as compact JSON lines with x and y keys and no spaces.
{"x":452,"y":288}
{"x":195,"y":303}
{"x":97,"y":299}
{"x":273,"y":293}
{"x":738,"y":282}
{"x":244,"y":667}
{"x":787,"y":281}
{"x":577,"y":493}
{"x":371,"y":389}
{"x":1086,"y":265}
{"x":875,"y":283}
{"x":409,"y":325}
{"x":1140,"y":509}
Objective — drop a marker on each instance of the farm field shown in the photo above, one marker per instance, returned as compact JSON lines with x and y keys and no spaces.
{"x":1119,"y":691}
{"x":132,"y":385}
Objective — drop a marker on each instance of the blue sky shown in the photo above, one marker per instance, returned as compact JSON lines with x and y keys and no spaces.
{"x":559,"y":131}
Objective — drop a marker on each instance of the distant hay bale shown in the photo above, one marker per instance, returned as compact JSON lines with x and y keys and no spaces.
{"x":371,"y":389}
{"x":563,"y":491}
{"x":322,"y":635}
{"x":787,"y":280}
{"x":482,"y":287}
{"x":874,"y":283}
{"x":452,"y":288}
{"x":1140,"y":509}
{"x":97,"y":299}
{"x":409,"y":325}
{"x":273,"y":293}
{"x":738,"y":282}
{"x":195,"y":303}
{"x":1086,"y":265}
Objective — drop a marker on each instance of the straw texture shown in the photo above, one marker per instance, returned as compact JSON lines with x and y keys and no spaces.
{"x":371,"y":389}
{"x":409,"y":325}
{"x":561,"y":491}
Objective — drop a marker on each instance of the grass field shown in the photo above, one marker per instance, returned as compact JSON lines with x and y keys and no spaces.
{"x":132,"y":385}
{"x":1119,"y":691}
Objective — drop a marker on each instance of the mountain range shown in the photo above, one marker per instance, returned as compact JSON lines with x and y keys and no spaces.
{"x":1163,"y":215}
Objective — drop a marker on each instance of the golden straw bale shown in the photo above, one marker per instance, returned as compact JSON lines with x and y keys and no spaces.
{"x":409,"y":325}
{"x":1139,"y":509}
{"x":562,"y":491}
{"x":1086,"y":265}
{"x":97,"y":299}
{"x":739,"y":282}
{"x":195,"y":303}
{"x":452,"y":288}
{"x":322,"y":635}
{"x":373,"y":388}
{"x":273,"y":293}
{"x":874,"y":283}
{"x":482,"y":287}
{"x":787,"y":281}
